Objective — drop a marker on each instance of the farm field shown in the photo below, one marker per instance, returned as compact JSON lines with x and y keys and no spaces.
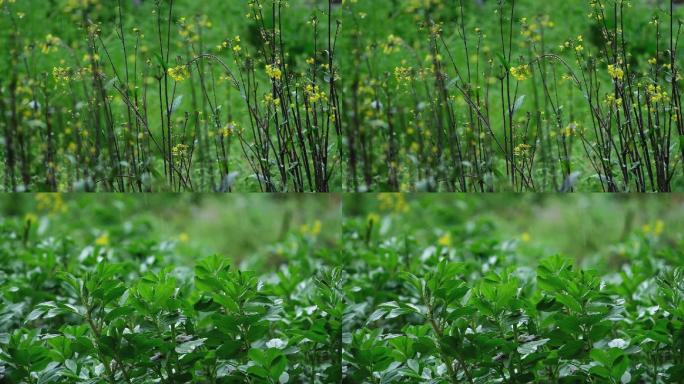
{"x":378,"y":288}
{"x":359,"y":96}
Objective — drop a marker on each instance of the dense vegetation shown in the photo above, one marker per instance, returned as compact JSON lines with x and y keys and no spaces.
{"x":514,"y":95}
{"x":318,"y":96}
{"x":463,"y":300}
{"x":168,"y":96}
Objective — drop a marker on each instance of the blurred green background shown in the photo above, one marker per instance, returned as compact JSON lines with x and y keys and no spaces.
{"x":253,"y":226}
{"x":585,"y":226}
{"x":239,"y":226}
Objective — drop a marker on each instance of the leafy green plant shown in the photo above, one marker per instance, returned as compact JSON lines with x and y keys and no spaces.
{"x":388,"y":304}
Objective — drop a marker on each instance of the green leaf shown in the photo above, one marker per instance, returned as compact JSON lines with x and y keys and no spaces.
{"x":571,"y":349}
{"x":119,"y":312}
{"x":531,"y":346}
{"x":189,"y":346}
{"x":569,"y":302}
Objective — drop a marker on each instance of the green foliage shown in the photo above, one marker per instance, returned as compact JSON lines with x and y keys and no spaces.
{"x":382,"y":307}
{"x":448,"y":317}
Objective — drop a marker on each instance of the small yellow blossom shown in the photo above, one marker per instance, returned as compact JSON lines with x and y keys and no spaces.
{"x":312,"y":229}
{"x":525,"y":237}
{"x":183,"y":237}
{"x":445,"y":240}
{"x":179,"y":73}
{"x":521,"y":73}
{"x":373,"y":218}
{"x":31,"y":218}
{"x":655,"y":229}
{"x":616,"y":72}
{"x":274,"y":72}
{"x":102,"y":240}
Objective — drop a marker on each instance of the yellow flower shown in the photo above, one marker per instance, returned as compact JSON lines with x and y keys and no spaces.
{"x":569,"y":130}
{"x":274,"y":72}
{"x":521,"y":73}
{"x":613,"y":101}
{"x":657,"y":94}
{"x":270,"y":100}
{"x":315,"y":93}
{"x":61,"y":75}
{"x":183,"y":237}
{"x":52,"y":202}
{"x":616,"y":72}
{"x":179,"y":73}
{"x":522,"y":150}
{"x":31,"y":218}
{"x":392,"y":45}
{"x":655,"y":229}
{"x":445,"y":240}
{"x":313,"y":229}
{"x":373,"y":218}
{"x":393,"y":202}
{"x":402,"y":74}
{"x":415,"y":147}
{"x":229,"y":129}
{"x":51,"y":44}
{"x":102,"y":240}
{"x":180,"y":150}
